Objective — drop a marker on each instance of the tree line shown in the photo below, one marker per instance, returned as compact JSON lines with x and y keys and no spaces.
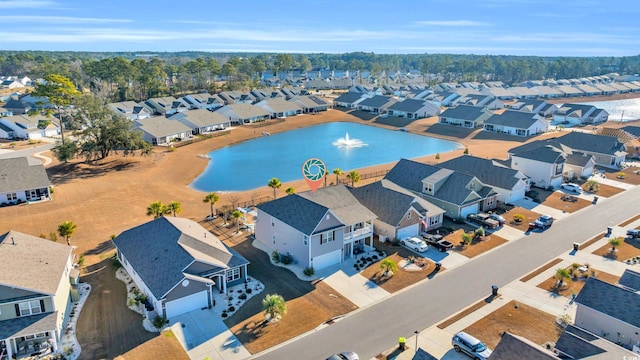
{"x":138,"y":76}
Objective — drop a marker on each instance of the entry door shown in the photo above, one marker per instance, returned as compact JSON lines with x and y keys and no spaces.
{"x":347,"y":250}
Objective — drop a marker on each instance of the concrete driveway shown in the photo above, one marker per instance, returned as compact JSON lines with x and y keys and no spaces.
{"x":204,"y":336}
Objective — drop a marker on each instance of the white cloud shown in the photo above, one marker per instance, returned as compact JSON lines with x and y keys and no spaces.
{"x":21,"y":4}
{"x":459,"y":23}
{"x":58,"y":19}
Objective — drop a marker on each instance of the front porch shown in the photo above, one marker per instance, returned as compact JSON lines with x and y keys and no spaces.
{"x":29,"y":336}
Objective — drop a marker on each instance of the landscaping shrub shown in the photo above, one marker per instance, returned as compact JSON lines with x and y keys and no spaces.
{"x":286,"y":259}
{"x":249,"y":291}
{"x":242,"y":297}
{"x":159,"y":321}
{"x":115,"y":261}
{"x":395,"y":241}
{"x":518,"y":218}
{"x":308,"y":271}
{"x":275,"y":256}
{"x":232,"y":309}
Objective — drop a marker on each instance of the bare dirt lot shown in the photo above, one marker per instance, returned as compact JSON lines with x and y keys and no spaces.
{"x":573,"y":286}
{"x":628,"y":249}
{"x":478,"y":245}
{"x":401,"y":278}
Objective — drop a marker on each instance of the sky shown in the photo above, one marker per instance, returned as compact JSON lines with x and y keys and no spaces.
{"x":494,"y":27}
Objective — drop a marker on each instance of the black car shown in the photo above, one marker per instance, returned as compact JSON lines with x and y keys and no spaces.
{"x":633,"y":233}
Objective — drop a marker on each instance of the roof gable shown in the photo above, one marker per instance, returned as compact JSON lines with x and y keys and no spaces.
{"x":16,"y":174}
{"x":301,"y":214}
{"x":608,"y":299}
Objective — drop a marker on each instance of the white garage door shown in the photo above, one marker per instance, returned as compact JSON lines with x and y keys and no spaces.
{"x":471,"y":209}
{"x":188,"y":303}
{"x":408,"y":231}
{"x":323,"y":261}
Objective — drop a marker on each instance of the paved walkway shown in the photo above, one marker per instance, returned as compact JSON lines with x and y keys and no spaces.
{"x":204,"y":336}
{"x":358,"y":289}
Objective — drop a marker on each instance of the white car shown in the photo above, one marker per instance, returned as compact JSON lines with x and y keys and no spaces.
{"x":415,"y":243}
{"x":571,"y":187}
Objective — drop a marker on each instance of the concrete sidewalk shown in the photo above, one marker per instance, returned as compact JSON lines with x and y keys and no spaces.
{"x":358,"y":289}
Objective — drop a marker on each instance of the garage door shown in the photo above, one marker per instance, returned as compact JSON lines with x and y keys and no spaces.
{"x":408,"y":231}
{"x":471,"y":209}
{"x":323,"y":261}
{"x":188,"y":303}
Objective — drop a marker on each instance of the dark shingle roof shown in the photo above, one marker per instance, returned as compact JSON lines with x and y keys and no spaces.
{"x":546,"y":154}
{"x":376,"y":101}
{"x":161,"y":250}
{"x":464,"y":112}
{"x":633,"y":130}
{"x":300,"y":213}
{"x":611,"y":300}
{"x":630,"y":279}
{"x":407,"y":105}
{"x":515,"y":119}
{"x":349,"y":97}
{"x":28,"y":325}
{"x":578,"y":159}
{"x":510,"y":345}
{"x":591,"y":142}
{"x":341,"y":202}
{"x":16,"y":174}
{"x":389,"y":205}
{"x":485,"y":170}
{"x":578,"y":343}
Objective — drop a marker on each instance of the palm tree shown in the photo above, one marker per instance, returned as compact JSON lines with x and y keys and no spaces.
{"x":156,"y":209}
{"x":388,"y":267}
{"x":66,"y":229}
{"x":174,"y":207}
{"x":338,"y":172}
{"x":290,"y":190}
{"x":561,"y":275}
{"x":236,"y":214}
{"x":274,"y":183}
{"x":212,"y":199}
{"x":615,"y":242}
{"x":354,"y":176}
{"x":274,"y":306}
{"x":592,"y":185}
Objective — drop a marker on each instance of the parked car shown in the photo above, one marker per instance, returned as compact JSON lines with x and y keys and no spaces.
{"x":437,"y":241}
{"x":633,"y":233}
{"x":572,"y":187}
{"x":463,"y":342}
{"x":483,"y":219}
{"x":345,"y":355}
{"x":543,"y":222}
{"x":415,"y":243}
{"x":498,"y":218}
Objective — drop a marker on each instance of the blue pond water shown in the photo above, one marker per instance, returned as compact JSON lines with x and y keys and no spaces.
{"x":252,"y":163}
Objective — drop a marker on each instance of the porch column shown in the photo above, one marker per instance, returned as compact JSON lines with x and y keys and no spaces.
{"x":9,"y":347}
{"x":246,"y":272}
{"x":54,"y":344}
{"x":224,"y":282}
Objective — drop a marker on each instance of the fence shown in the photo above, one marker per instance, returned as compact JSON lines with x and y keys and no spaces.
{"x":201,"y":137}
{"x":265,"y":123}
{"x":365,"y":176}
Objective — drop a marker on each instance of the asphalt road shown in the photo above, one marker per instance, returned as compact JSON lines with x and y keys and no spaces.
{"x":374,"y":329}
{"x":28,"y":152}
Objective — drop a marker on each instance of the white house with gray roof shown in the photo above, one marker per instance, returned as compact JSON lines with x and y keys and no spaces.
{"x":318,"y":229}
{"x":167,"y":105}
{"x":161,"y":131}
{"x":458,"y":193}
{"x":609,"y":310}
{"x":178,"y":264}
{"x":311,"y":104}
{"x":399,"y":213}
{"x":202,"y":121}
{"x":130,"y":109}
{"x":465,"y":115}
{"x":517,"y":123}
{"x":413,"y":109}
{"x":377,"y":104}
{"x":21,"y":182}
{"x":203,"y":101}
{"x":279,"y":107}
{"x":35,"y":285}
{"x":579,"y":114}
{"x":242,"y":113}
{"x":31,"y":127}
{"x":542,"y":163}
{"x":579,"y":343}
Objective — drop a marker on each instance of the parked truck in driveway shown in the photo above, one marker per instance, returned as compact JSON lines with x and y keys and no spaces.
{"x":437,"y":241}
{"x":483,"y":219}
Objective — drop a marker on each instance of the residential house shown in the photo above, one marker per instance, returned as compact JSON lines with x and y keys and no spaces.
{"x":443,"y":98}
{"x":547,"y":92}
{"x":377,"y":104}
{"x":236,"y":97}
{"x":318,"y":229}
{"x":21,"y":182}
{"x":511,"y":344}
{"x":569,"y":91}
{"x":459,"y":194}
{"x":203,"y":101}
{"x":609,"y":310}
{"x":130,"y":109}
{"x":35,"y":286}
{"x":162,"y":131}
{"x":606,"y":150}
{"x":542,"y":163}
{"x":517,"y":123}
{"x":578,"y":343}
{"x":413,"y":109}
{"x":279,"y":107}
{"x":399,"y":213}
{"x":349,"y":100}
{"x":486,"y":101}
{"x":178,"y":264}
{"x":579,"y":114}
{"x":202,"y":121}
{"x":31,"y":127}
{"x":630,"y":280}
{"x":510,"y":184}
{"x":311,"y":104}
{"x":465,"y":116}
{"x":540,"y":107}
{"x":22,"y":104}
{"x":4,"y":112}
{"x":500,"y":93}
{"x":167,"y":105}
{"x":241,"y":113}
{"x":6,"y":132}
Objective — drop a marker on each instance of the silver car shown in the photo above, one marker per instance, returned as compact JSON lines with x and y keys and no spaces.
{"x":345,"y":355}
{"x":463,"y":342}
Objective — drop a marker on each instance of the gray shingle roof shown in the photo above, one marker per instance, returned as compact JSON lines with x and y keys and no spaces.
{"x":200,"y":117}
{"x":591,"y":142}
{"x":376,"y":101}
{"x":407,"y":105}
{"x":515,"y":119}
{"x":611,"y":300}
{"x":547,"y":154}
{"x":341,"y":202}
{"x":487,"y":171}
{"x":464,"y":112}
{"x":160,"y":126}
{"x":33,"y":263}
{"x":630,"y":279}
{"x":633,"y":130}
{"x":578,"y":158}
{"x":580,"y":344}
{"x":300,"y":213}
{"x":349,"y":97}
{"x":512,"y":345}
{"x":162,"y":250}
{"x":389,"y":205}
{"x":17,"y":175}
{"x":28,"y":325}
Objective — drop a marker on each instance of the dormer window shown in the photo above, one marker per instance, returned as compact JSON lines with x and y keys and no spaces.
{"x":428,"y":188}
{"x":409,"y":215}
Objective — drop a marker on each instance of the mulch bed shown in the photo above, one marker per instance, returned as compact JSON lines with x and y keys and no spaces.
{"x":577,"y":283}
{"x":519,"y":319}
{"x":477,"y":246}
{"x":401,"y":278}
{"x":529,"y":217}
{"x":605,"y":191}
{"x":565,"y":202}
{"x":540,"y":270}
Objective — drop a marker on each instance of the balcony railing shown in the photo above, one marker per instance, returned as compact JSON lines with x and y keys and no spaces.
{"x":358,"y":233}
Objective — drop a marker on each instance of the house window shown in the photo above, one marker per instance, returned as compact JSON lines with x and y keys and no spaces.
{"x":326,"y":237}
{"x":273,"y":238}
{"x":558,"y":169}
{"x":409,"y":215}
{"x":490,"y":201}
{"x":428,"y":188}
{"x":12,"y":196}
{"x":273,"y":221}
{"x":305,"y":240}
{"x":233,"y":274}
{"x":30,"y":308}
{"x":434,"y":220}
